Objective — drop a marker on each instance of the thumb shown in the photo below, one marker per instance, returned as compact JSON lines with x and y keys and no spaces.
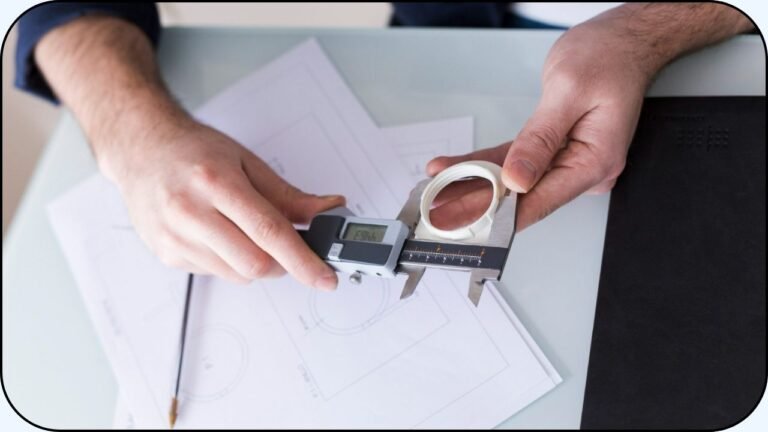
{"x":531,"y":153}
{"x":296,"y":205}
{"x":305,"y":206}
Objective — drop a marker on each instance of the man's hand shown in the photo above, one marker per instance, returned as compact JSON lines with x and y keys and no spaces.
{"x":205,"y":203}
{"x":593,"y":84}
{"x":199,"y":200}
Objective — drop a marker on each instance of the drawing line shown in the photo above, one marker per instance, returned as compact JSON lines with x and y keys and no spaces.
{"x":242,"y":346}
{"x":126,"y":339}
{"x":352,"y":130}
{"x":392,"y":309}
{"x":270,"y":139}
{"x":351,"y":172}
{"x":285,"y":327}
{"x":382,"y":364}
{"x":463,"y":395}
{"x":323,"y":324}
{"x":386,"y":362}
{"x":406,"y":349}
{"x":393,"y":357}
{"x":404,"y":147}
{"x":473,"y":309}
{"x":234,"y":102}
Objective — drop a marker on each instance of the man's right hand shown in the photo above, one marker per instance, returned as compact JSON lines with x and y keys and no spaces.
{"x":197,"y":198}
{"x":593,"y":84}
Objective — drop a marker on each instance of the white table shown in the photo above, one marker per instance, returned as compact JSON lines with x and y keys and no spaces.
{"x":53,"y":367}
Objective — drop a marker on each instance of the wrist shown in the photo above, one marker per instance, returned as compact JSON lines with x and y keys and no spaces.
{"x":144,"y":126}
{"x":103,"y":69}
{"x":639,"y":51}
{"x":655,"y":34}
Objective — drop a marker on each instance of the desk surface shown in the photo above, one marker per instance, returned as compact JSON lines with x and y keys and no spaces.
{"x":54,"y":370}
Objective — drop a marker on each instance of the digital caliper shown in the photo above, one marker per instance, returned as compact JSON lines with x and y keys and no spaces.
{"x":409,"y":244}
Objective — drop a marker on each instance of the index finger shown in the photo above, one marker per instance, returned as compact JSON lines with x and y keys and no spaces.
{"x":274,"y":234}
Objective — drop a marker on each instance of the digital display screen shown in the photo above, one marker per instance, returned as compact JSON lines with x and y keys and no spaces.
{"x":365,"y":232}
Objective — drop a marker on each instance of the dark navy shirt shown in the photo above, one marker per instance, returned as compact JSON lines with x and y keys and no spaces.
{"x":40,"y":19}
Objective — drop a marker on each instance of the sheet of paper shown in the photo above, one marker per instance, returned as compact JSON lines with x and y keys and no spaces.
{"x":301,"y":102}
{"x":278,"y":354}
{"x":122,"y":417}
{"x":419,"y":143}
{"x":446,"y":137}
{"x":415,"y":145}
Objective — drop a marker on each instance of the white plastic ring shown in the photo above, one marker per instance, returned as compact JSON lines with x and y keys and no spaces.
{"x":479,"y":230}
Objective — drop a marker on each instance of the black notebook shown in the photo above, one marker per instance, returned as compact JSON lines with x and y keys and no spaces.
{"x":679,"y":337}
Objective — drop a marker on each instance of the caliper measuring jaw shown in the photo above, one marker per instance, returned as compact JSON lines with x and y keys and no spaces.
{"x":499,"y":241}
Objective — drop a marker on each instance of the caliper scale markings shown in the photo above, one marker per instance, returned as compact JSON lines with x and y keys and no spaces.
{"x":452,"y":255}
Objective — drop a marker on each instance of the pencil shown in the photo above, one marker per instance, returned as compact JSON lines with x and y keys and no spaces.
{"x":173,"y":413}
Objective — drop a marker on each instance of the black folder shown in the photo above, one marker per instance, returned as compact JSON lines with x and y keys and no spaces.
{"x":679,"y":336}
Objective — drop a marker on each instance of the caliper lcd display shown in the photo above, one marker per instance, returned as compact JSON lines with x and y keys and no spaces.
{"x":365,"y":232}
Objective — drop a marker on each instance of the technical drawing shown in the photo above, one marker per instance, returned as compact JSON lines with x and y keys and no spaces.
{"x":358,"y":356}
{"x":214,"y":362}
{"x":332,"y":313}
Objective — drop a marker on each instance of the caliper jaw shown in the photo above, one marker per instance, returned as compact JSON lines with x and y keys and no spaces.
{"x":410,"y":215}
{"x":502,"y":233}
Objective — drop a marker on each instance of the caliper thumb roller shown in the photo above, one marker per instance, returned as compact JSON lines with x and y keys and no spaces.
{"x":409,"y":244}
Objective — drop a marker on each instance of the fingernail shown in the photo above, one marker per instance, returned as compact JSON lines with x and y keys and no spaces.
{"x":326,"y":283}
{"x":430,"y":168}
{"x":332,"y":197}
{"x":520,"y":175}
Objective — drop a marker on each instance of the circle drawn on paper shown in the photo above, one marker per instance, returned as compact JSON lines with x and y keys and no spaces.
{"x":351,"y":308}
{"x":215,"y":360}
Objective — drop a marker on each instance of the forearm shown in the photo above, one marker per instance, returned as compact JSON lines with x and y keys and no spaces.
{"x":104,"y":70}
{"x":661,"y":32}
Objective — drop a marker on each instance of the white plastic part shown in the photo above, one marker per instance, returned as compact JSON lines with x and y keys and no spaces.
{"x":477,"y":231}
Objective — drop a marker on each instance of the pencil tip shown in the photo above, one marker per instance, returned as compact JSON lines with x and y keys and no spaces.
{"x":172,"y":413}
